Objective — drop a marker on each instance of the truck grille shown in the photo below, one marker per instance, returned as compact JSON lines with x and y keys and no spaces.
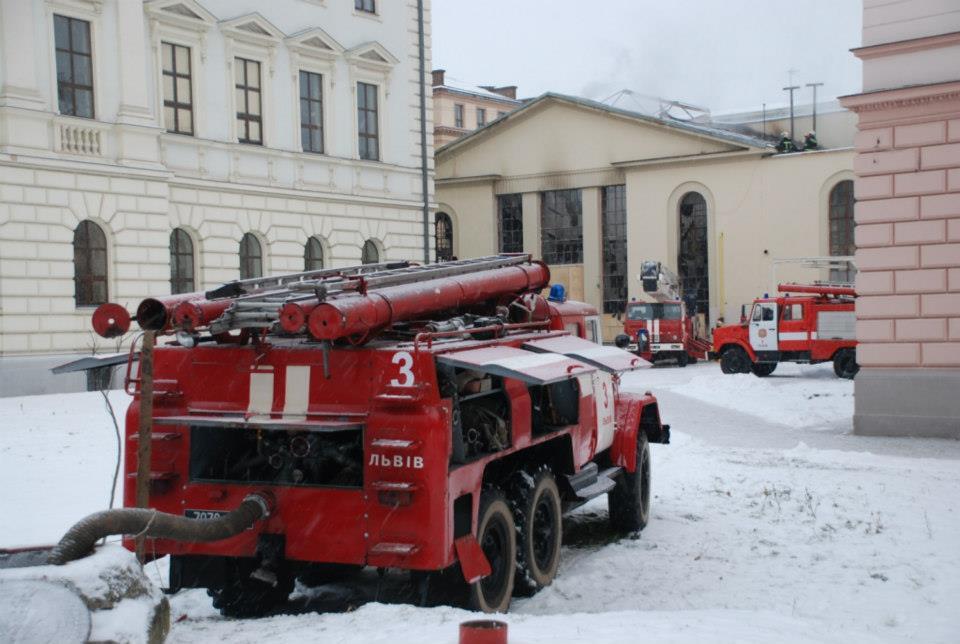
{"x":280,"y":456}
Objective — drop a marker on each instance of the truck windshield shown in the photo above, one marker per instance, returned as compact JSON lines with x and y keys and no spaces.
{"x":637,"y":311}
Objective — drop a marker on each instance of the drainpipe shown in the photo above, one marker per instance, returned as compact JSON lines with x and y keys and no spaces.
{"x":424,"y":178}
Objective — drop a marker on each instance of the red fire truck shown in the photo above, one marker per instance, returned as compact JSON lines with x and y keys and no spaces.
{"x":426,"y":418}
{"x":662,"y":330}
{"x":816,"y":325}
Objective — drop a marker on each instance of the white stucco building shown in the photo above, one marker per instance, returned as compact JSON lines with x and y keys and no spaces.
{"x":144,"y":146}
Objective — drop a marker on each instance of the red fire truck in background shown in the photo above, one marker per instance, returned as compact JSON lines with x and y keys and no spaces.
{"x":426,"y":418}
{"x":662,"y":330}
{"x":816,"y":325}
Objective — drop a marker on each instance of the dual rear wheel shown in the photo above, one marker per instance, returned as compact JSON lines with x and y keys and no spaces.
{"x":520,"y":536}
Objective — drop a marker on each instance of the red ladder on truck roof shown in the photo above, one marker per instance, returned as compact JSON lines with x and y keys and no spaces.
{"x":289,"y":300}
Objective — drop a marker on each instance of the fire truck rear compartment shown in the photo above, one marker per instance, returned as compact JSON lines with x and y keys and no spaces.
{"x":248,"y":455}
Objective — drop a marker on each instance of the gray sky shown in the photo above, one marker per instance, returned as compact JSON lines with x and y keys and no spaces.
{"x":723,"y":54}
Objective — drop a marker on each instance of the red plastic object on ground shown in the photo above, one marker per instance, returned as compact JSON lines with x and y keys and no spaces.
{"x":483,"y":631}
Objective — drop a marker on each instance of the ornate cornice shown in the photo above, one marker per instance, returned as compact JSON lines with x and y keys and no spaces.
{"x":907,"y":46}
{"x":889,"y":99}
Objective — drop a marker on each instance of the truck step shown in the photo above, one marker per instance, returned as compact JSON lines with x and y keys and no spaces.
{"x":589,"y":483}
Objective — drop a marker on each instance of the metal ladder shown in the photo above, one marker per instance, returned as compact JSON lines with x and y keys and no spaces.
{"x":257,"y":301}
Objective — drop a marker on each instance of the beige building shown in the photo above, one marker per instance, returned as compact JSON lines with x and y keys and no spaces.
{"x":595,"y":190}
{"x":908,"y":219}
{"x":460,"y":109}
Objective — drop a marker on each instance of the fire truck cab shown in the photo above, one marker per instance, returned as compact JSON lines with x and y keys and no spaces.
{"x":816,"y":325}
{"x":426,"y":418}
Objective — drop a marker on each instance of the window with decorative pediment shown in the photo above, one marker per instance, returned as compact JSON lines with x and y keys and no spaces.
{"x":178,"y":33}
{"x":251,"y":42}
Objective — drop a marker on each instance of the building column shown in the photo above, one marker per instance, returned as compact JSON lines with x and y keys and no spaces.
{"x":531,"y":223}
{"x":19,"y":73}
{"x":907,"y":233}
{"x":134,"y":98}
{"x":592,"y":248}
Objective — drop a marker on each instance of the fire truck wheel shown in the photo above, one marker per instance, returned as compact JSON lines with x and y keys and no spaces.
{"x":497,"y":534}
{"x":241,"y":596}
{"x":629,"y":500}
{"x":537,"y":511}
{"x":763,"y":369}
{"x":845,"y":364}
{"x":734,"y":360}
{"x":682,"y":359}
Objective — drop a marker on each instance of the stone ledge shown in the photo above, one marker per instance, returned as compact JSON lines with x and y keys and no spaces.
{"x":907,"y":402}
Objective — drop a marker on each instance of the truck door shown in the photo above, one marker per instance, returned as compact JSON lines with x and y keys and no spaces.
{"x":763,"y":327}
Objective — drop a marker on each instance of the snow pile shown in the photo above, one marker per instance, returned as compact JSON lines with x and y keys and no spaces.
{"x":124,"y":605}
{"x":58,"y":454}
{"x":759,"y":532}
{"x":795,"y":402}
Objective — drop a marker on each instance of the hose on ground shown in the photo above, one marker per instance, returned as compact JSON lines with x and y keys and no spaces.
{"x":80,"y":539}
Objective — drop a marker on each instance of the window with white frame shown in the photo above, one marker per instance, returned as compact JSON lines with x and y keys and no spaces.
{"x":311,"y":111}
{"x":248,"y":101}
{"x":177,"y":88}
{"x":74,"y":56}
{"x":368,"y":128}
{"x":368,"y":6}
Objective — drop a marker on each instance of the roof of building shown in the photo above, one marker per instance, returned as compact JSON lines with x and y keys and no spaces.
{"x":774,"y":112}
{"x":698,"y":129}
{"x":454,"y":85}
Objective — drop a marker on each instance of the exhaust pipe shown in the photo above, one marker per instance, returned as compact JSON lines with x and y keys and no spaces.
{"x":80,"y":539}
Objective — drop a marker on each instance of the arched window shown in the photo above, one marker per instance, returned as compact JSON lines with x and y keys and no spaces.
{"x":313,"y":255}
{"x":370,"y":254}
{"x":443,"y":233}
{"x":89,"y":264}
{"x":841,"y":227}
{"x":251,"y":257}
{"x":692,"y":260}
{"x":181,"y":262}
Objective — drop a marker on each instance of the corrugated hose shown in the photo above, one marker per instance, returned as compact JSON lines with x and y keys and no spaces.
{"x":80,"y":539}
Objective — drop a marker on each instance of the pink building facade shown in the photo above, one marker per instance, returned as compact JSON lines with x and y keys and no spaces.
{"x":908,"y":219}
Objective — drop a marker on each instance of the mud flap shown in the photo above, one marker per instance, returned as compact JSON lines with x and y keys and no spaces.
{"x":472,"y":560}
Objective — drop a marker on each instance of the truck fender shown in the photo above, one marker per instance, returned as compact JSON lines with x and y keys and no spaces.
{"x":743,"y":345}
{"x":633,"y":411}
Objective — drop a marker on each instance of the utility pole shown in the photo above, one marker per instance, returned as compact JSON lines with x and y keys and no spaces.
{"x":791,"y":89}
{"x":814,"y":86}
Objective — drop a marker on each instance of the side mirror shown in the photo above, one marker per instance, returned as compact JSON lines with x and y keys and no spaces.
{"x":622,"y":341}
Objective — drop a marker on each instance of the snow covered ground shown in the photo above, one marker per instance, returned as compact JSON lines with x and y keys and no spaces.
{"x":771,"y":522}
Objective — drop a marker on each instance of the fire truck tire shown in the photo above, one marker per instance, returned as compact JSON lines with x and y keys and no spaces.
{"x":537,"y":512}
{"x":241,"y":596}
{"x":734,"y":360}
{"x":629,"y":500}
{"x":682,"y":359}
{"x":497,"y":534}
{"x":763,"y":369}
{"x":845,"y":364}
